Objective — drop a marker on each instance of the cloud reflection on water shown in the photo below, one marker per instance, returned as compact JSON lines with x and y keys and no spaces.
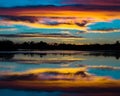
{"x":96,"y":62}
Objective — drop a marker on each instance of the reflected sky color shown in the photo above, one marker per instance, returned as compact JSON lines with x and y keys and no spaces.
{"x":96,"y":63}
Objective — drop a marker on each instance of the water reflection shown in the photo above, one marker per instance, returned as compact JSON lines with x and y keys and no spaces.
{"x":7,"y":92}
{"x":9,"y":55}
{"x":106,"y":54}
{"x":98,"y":63}
{"x":60,"y":73}
{"x":6,"y":56}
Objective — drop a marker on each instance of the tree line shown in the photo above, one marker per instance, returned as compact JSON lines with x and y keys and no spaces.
{"x":7,"y":45}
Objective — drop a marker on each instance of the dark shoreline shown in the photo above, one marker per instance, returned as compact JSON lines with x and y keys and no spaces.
{"x":58,"y":51}
{"x":7,"y":45}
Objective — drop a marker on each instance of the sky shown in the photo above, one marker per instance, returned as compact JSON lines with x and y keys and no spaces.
{"x":60,"y":21}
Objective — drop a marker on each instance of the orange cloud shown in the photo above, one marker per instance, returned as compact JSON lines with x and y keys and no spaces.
{"x":65,"y":11}
{"x":63,"y":17}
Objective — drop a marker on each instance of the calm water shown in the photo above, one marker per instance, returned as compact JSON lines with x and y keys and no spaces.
{"x":98,"y":63}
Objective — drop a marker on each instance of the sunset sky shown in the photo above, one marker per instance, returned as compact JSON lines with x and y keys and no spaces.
{"x":60,"y":21}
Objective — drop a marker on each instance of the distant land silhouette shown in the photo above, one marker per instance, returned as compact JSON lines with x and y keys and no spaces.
{"x":7,"y":45}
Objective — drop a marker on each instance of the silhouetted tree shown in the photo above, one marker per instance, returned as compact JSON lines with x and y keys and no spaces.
{"x":7,"y":45}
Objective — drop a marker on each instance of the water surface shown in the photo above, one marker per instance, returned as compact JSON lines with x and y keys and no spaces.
{"x":97,"y":63}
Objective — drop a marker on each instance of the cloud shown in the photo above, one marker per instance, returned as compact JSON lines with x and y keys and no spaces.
{"x":53,"y":21}
{"x":105,"y":26}
{"x":30,"y":19}
{"x":50,"y":38}
{"x":25,"y":27}
{"x":56,"y":35}
{"x":36,"y":23}
{"x":94,"y":2}
{"x":82,"y":23}
{"x":9,"y":3}
{"x":57,"y":11}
